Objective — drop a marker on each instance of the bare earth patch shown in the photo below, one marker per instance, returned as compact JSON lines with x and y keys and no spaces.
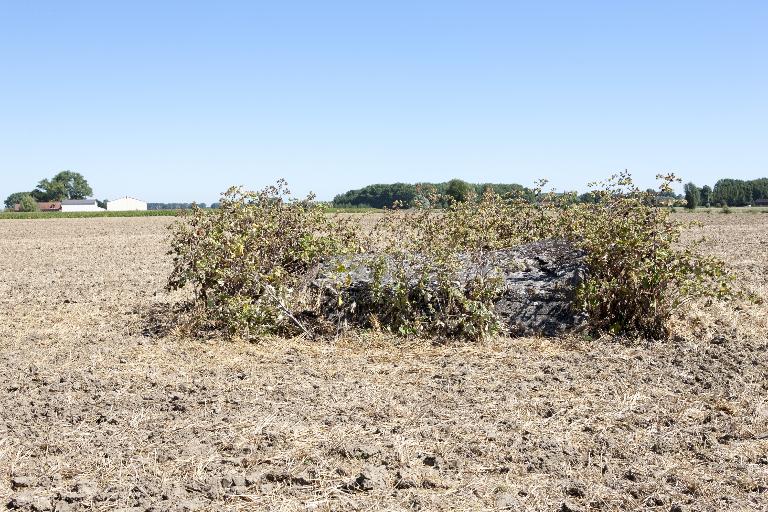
{"x":100,"y":413}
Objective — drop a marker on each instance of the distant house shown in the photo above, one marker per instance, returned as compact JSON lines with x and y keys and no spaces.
{"x":51,"y":206}
{"x":80,"y":205}
{"x":761,"y":202}
{"x":126,"y":204}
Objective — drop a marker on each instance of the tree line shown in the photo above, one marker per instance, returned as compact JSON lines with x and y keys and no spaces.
{"x":407,"y":194}
{"x":174,"y":206}
{"x":410,"y":195}
{"x":726,"y":192}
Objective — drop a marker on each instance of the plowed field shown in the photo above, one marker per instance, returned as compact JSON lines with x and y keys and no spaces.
{"x":102,"y":409}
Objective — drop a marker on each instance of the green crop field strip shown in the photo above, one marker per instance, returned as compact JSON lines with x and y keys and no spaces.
{"x":81,"y":215}
{"x":148,"y":213}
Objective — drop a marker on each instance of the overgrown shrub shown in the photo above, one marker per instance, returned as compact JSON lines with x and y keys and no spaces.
{"x":27,"y":203}
{"x":435,"y":261}
{"x":247,"y":260}
{"x":638,"y":274}
{"x":250,"y":261}
{"x":419,"y":259}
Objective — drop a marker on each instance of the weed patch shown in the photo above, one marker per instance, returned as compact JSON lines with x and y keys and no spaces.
{"x":251,"y":262}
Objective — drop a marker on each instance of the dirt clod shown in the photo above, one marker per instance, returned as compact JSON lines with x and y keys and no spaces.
{"x":20,"y":482}
{"x":28,"y":501}
{"x":408,"y":478}
{"x":370,"y":478}
{"x":507,"y":501}
{"x":569,"y":506}
{"x":359,"y":450}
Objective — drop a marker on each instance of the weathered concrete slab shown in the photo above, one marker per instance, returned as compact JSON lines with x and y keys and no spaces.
{"x":538,"y":291}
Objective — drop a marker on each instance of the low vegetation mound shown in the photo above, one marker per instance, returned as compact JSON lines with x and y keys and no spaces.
{"x":532,"y":292}
{"x":266,"y":263}
{"x":247,"y":261}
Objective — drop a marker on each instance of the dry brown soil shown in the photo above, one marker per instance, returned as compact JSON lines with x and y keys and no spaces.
{"x":99,"y":412}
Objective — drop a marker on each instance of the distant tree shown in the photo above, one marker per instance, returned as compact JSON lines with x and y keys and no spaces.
{"x":170,"y":206}
{"x":706,"y":196}
{"x":65,"y":185}
{"x":14,"y":199}
{"x":759,"y":189}
{"x":692,"y":196}
{"x":732,"y":192}
{"x":102,"y":204}
{"x":377,"y":196}
{"x":27,"y":203}
{"x":47,"y":190}
{"x":459,"y":190}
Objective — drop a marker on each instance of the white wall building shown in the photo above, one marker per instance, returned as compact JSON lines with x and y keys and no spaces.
{"x":80,"y":205}
{"x":126,"y":204}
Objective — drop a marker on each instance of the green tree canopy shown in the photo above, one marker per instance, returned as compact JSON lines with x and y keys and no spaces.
{"x":378,"y":196}
{"x":692,"y":196}
{"x":384,"y":195}
{"x":459,"y":190}
{"x":65,"y":185}
{"x":759,"y":189}
{"x":732,"y":192}
{"x":14,"y":199}
{"x":27,"y":203}
{"x":706,"y":195}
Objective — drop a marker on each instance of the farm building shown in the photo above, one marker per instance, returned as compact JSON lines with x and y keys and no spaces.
{"x":761,"y":202}
{"x":126,"y":204}
{"x":80,"y":205}
{"x":51,"y":206}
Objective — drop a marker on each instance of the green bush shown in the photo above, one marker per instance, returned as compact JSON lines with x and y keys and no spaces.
{"x":27,"y":203}
{"x":246,"y":261}
{"x":249,"y":262}
{"x":423,"y":255}
{"x":459,"y":190}
{"x":638,"y":275}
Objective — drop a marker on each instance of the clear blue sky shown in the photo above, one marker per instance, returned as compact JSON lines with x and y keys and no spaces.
{"x":175,"y":101}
